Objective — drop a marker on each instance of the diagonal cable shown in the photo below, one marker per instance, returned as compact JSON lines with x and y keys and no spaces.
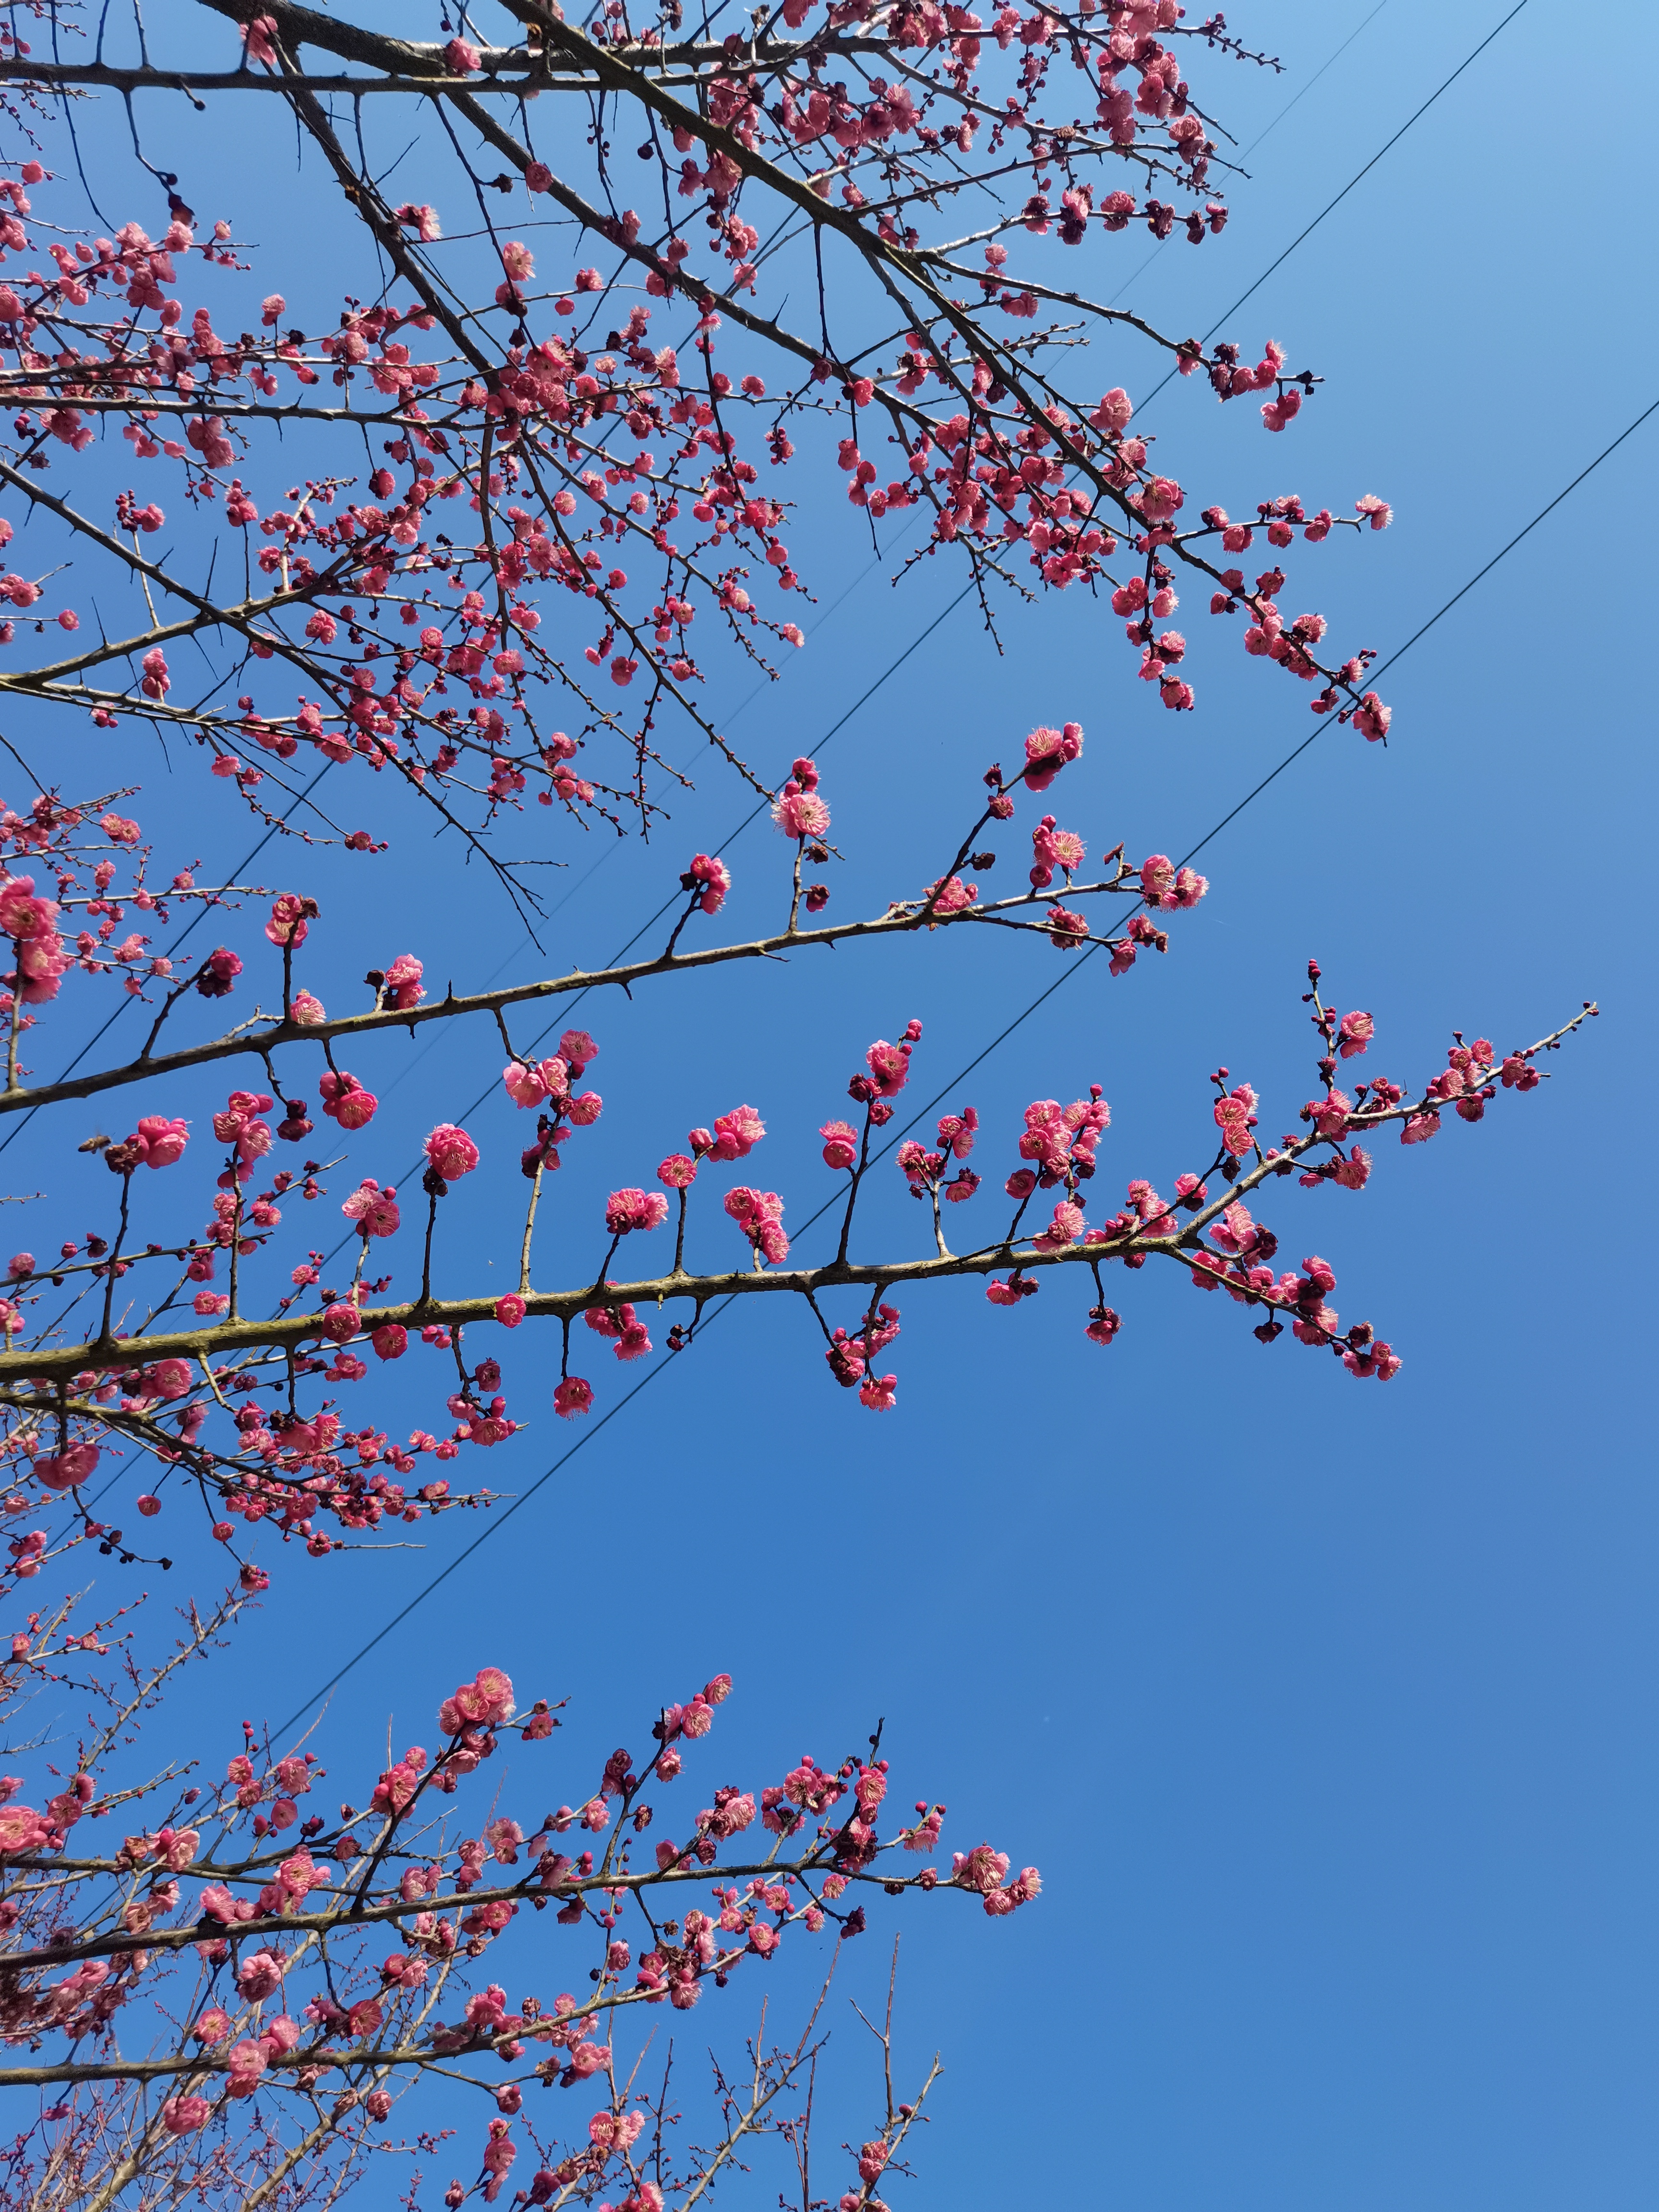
{"x":922,"y":1112}
{"x":1330,"y":205}
{"x":1245,"y":152}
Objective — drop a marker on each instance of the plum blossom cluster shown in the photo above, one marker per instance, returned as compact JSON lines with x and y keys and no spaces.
{"x":68,"y":863}
{"x":236,"y":1395}
{"x":325,"y":1965}
{"x":399,"y":988}
{"x":554,"y":514}
{"x":487,"y":531}
{"x":234,"y":1381}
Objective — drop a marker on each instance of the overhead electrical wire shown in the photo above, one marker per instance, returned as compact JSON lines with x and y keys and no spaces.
{"x":1278,"y":261}
{"x":1073,"y":969}
{"x":754,"y":813}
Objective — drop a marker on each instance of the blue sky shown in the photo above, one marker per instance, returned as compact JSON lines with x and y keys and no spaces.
{"x":1325,"y":1710}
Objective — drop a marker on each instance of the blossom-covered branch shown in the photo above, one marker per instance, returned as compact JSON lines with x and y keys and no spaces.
{"x":280,"y":1994}
{"x":429,"y":655}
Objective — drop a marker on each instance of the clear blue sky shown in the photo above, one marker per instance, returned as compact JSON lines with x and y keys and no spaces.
{"x":1326,"y":1710}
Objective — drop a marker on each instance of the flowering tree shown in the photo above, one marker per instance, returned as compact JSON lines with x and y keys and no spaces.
{"x":530,"y":506}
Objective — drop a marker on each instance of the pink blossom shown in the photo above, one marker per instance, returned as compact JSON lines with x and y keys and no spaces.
{"x":23,"y":915}
{"x":1103,"y":1325}
{"x":1047,"y":752}
{"x":841,"y":1145}
{"x":1053,"y":848}
{"x":713,"y":875}
{"x":736,"y":1133}
{"x":390,"y":1341}
{"x":451,"y":1151}
{"x":182,"y":2116}
{"x":1064,"y":1229}
{"x":615,"y":2130}
{"x":43,"y":959}
{"x":485,"y":1702}
{"x":422,"y":221}
{"x":346,"y":1100}
{"x":678,"y":1172}
{"x":759,"y":1214}
{"x":374,"y":1210}
{"x":1163,"y":885}
{"x":956,"y":1132}
{"x":1355,"y":1033}
{"x":260,"y":1974}
{"x":71,"y":1468}
{"x":800,"y":813}
{"x":981,"y":1869}
{"x":510,"y":1310}
{"x":247,"y":2063}
{"x":161,"y":1141}
{"x":1371,"y":718}
{"x":949,"y":894}
{"x":460,"y":58}
{"x":1381,"y":513}
{"x":1276,"y":413}
{"x":402,"y":987}
{"x":290,"y":920}
{"x":1235,"y":1232}
{"x":572,"y":1395}
{"x":528,"y":1086}
{"x":1112,"y":413}
{"x":879,"y":1393}
{"x":1329,"y":1115}
{"x":1379,"y":1360}
{"x":240,"y":1124}
{"x":1234,"y":1116}
{"x":306,"y":1009}
{"x":631,"y":1209}
{"x":22,"y":1829}
{"x":258,"y":39}
{"x":889,"y":1067}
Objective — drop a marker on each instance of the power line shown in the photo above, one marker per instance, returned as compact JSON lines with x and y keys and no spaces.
{"x":962,"y":595}
{"x":924,"y":634}
{"x":1297,"y":751}
{"x":1244,"y":296}
{"x":834,"y":730}
{"x":1245,"y":152}
{"x":1354,"y":180}
{"x":1073,"y":969}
